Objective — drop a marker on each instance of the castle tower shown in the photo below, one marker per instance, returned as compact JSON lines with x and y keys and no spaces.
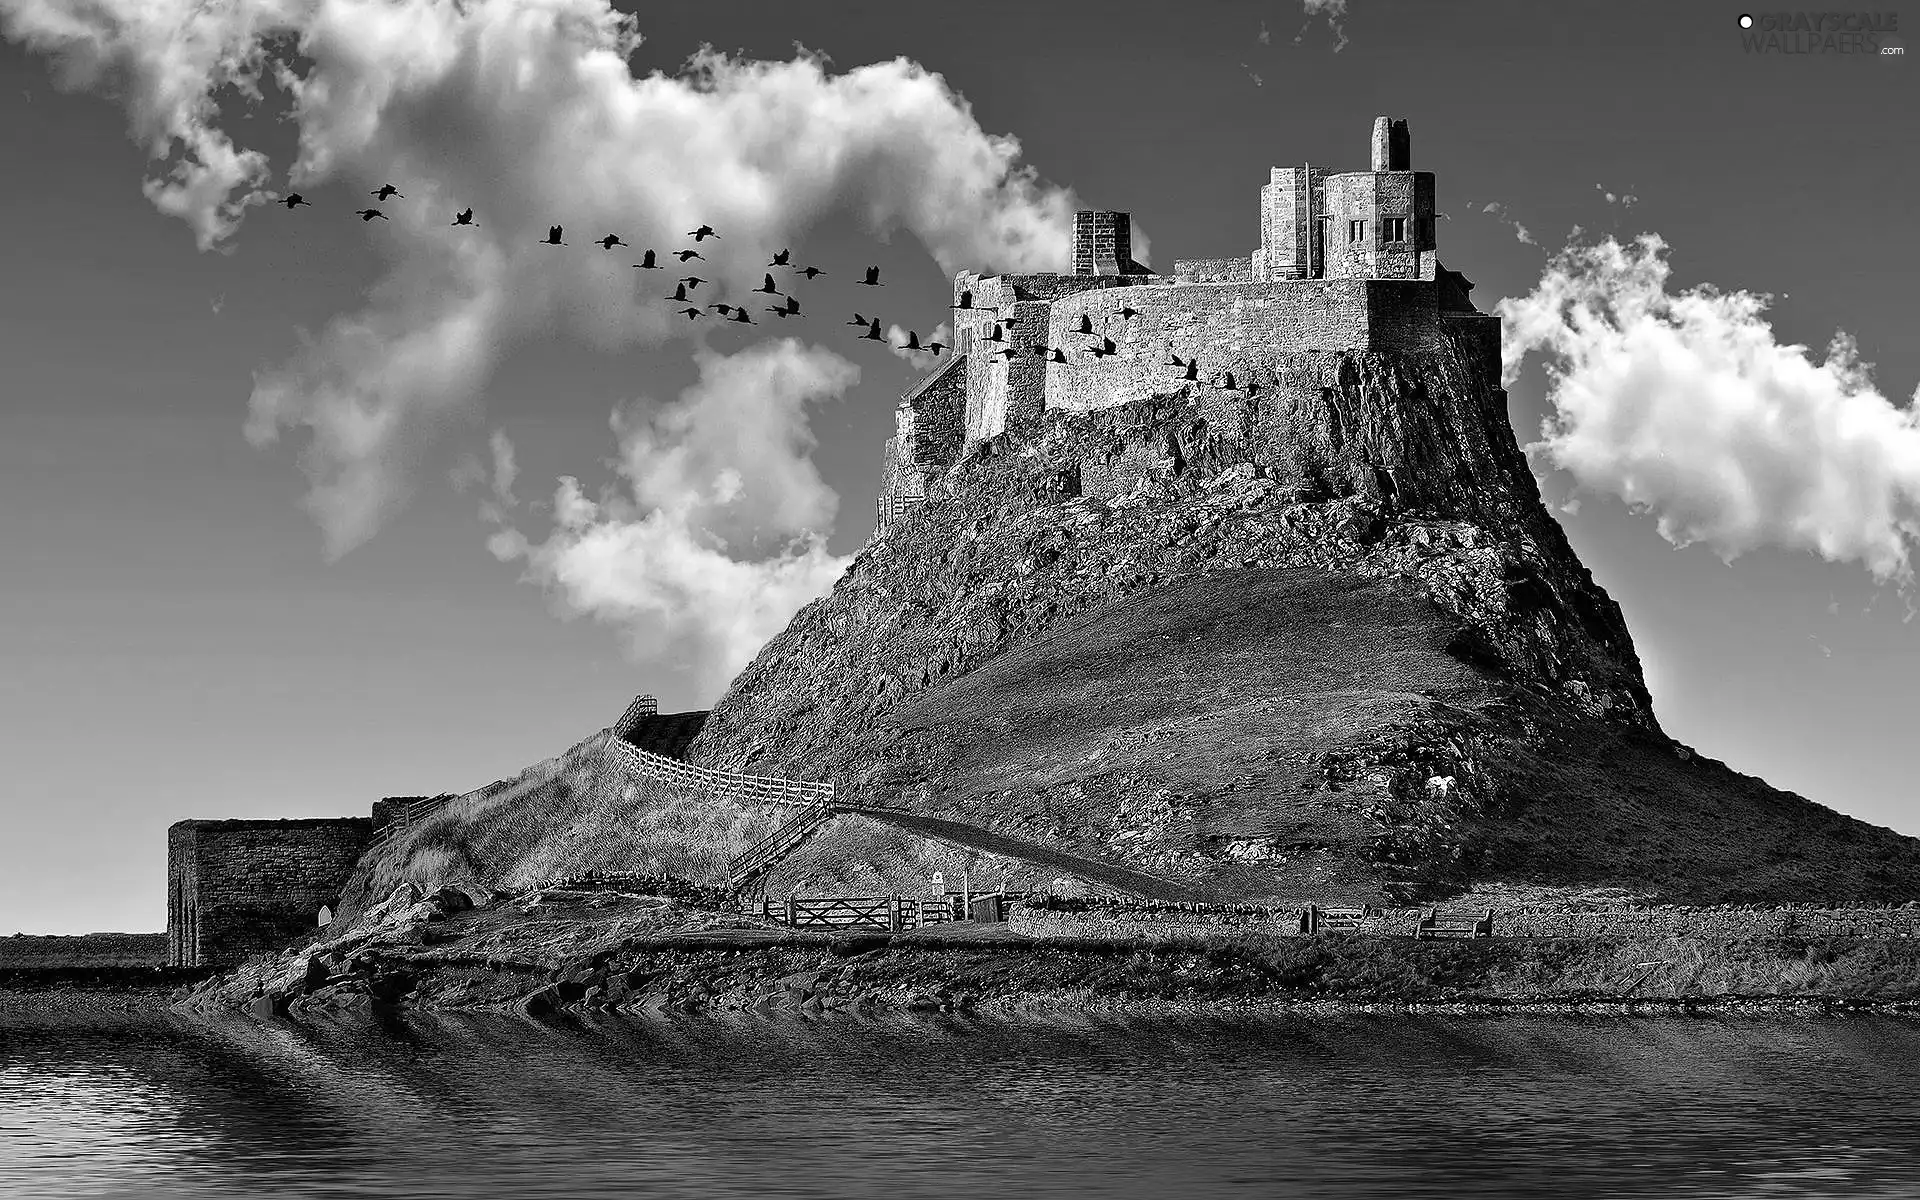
{"x":1392,"y":150}
{"x":1288,"y":202}
{"x":1378,"y":224}
{"x":1102,"y":243}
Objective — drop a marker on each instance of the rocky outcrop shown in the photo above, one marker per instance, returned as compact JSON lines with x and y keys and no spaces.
{"x":1321,"y":640}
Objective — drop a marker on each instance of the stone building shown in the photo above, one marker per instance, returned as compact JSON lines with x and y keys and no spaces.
{"x":236,"y":887}
{"x":1346,"y":263}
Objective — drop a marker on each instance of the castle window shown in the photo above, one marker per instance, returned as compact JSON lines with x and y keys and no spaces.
{"x":1356,"y":231}
{"x":1393,"y":229}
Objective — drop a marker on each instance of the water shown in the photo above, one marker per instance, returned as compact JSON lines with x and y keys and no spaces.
{"x":152,"y":1105}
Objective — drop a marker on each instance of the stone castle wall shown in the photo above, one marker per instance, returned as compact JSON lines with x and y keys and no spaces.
{"x":1213,"y":270}
{"x":1229,"y":327}
{"x":238,"y":887}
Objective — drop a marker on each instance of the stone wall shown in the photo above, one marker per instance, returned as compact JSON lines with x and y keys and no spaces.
{"x":1003,"y":393}
{"x":1123,"y":924}
{"x":929,"y":424}
{"x":238,"y":887}
{"x":1722,"y":923}
{"x":1213,"y":270}
{"x":1229,"y":327}
{"x":47,"y":952}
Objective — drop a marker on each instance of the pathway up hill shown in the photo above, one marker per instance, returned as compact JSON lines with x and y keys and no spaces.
{"x":1280,"y":651}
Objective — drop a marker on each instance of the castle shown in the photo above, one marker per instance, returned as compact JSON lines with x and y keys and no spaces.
{"x":1346,"y":263}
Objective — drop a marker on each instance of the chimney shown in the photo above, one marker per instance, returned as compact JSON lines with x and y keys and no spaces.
{"x":1392,"y":148}
{"x":1102,"y":243}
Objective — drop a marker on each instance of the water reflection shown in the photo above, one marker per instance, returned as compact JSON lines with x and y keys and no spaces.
{"x":1075,"y":1106}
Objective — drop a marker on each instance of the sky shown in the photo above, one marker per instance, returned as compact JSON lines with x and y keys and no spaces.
{"x":299,"y":510}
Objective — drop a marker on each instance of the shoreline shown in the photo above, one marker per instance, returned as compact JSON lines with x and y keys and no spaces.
{"x":988,"y":975}
{"x":559,"y":952}
{"x":77,"y":1001}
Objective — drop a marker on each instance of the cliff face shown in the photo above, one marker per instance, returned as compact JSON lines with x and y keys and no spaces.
{"x":1319,"y":641}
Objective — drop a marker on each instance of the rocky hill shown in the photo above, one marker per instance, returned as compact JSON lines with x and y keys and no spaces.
{"x":1260,"y":646}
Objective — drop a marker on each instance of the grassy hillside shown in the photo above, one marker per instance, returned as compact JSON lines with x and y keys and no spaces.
{"x":1283,"y":735}
{"x":590,"y":815}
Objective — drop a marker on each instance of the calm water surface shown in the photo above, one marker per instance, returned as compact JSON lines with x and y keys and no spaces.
{"x":153,"y":1105}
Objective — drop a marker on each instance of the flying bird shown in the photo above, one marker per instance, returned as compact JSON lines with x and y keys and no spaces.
{"x":1193,"y":370}
{"x":553,"y":236}
{"x":692,"y":281}
{"x":873,"y":331}
{"x":464,"y":217}
{"x":610,"y":241}
{"x":768,"y":287}
{"x":873,"y":278}
{"x":387,"y":192}
{"x":858,"y":320}
{"x":1105,"y":348}
{"x":684,"y":255}
{"x":810,"y":272}
{"x":722,"y":309}
{"x":778,"y":260}
{"x":1174,"y":360}
{"x":646,"y":262}
{"x":703,"y":233}
{"x":294,"y":198}
{"x":740,"y":315}
{"x":1086,"y":324}
{"x":691,"y":313}
{"x":936,"y":347}
{"x":1253,"y":389}
{"x":913,"y":342}
{"x":368,"y":214}
{"x":1127,"y":314}
{"x":1057,"y":355}
{"x":790,"y":309}
{"x":1226,"y":386}
{"x":996,"y":335}
{"x":1009,"y":352}
{"x":679,"y":294}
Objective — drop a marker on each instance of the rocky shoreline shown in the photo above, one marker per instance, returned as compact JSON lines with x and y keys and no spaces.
{"x":552,"y":952}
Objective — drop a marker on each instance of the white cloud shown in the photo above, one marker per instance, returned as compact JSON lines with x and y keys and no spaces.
{"x":718,"y":535}
{"x":525,"y":110}
{"x":1335,"y":11}
{"x":1685,"y":406}
{"x":1520,"y":232}
{"x":1623,"y":199}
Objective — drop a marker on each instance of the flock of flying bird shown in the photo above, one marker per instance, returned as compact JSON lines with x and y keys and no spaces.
{"x":734,"y":314}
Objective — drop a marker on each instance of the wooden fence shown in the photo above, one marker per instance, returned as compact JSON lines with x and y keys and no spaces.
{"x":888,"y":913}
{"x":409,"y":815}
{"x":724,"y":783}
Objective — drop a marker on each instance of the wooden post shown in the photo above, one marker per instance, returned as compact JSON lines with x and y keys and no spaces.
{"x":893,"y":914}
{"x":791,"y":914}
